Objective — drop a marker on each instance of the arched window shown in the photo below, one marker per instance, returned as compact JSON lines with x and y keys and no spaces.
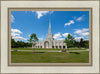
{"x":63,"y":46}
{"x":52,"y":46}
{"x":59,"y":46}
{"x":46,"y":44}
{"x":56,"y":46}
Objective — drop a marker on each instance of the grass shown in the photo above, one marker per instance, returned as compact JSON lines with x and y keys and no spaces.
{"x":47,"y":49}
{"x":48,"y":57}
{"x":22,"y":48}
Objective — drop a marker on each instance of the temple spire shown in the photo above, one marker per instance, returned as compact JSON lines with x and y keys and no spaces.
{"x":49,"y":26}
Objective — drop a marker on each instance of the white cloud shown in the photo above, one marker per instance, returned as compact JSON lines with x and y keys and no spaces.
{"x":41,"y":38}
{"x":78,"y":31}
{"x":78,"y":38}
{"x":75,"y":35}
{"x":41,"y":13}
{"x":80,"y":18}
{"x":65,"y":34}
{"x":82,"y":32}
{"x":57,"y":35}
{"x":60,"y":39}
{"x":15,"y":33}
{"x":29,"y":35}
{"x":84,"y":29}
{"x":15,"y":30}
{"x":69,"y":23}
{"x":85,"y":34}
{"x":12,"y":18}
{"x":19,"y":38}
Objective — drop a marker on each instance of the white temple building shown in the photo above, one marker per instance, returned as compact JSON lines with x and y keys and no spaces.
{"x":49,"y":42}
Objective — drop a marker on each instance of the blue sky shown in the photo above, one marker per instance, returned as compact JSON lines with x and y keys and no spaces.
{"x":24,"y":23}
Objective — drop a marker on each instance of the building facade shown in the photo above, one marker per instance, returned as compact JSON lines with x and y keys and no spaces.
{"x":49,"y":42}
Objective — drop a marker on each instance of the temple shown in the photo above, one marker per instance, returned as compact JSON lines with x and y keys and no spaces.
{"x":49,"y":42}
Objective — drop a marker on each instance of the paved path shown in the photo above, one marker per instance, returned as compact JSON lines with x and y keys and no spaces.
{"x":51,"y":50}
{"x":78,"y":50}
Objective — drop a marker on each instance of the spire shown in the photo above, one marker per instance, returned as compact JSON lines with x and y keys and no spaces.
{"x":49,"y":26}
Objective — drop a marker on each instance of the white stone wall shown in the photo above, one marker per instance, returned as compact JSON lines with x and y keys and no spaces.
{"x":52,"y":44}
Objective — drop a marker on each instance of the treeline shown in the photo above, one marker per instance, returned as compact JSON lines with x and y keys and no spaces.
{"x":71,"y":42}
{"x":82,"y":43}
{"x":17,"y":44}
{"x":31,"y":42}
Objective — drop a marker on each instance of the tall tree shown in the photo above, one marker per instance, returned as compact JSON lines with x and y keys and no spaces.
{"x":86,"y":43}
{"x":69,"y":41}
{"x":13,"y":43}
{"x":33,"y":39}
{"x":81,"y":42}
{"x":77,"y":44}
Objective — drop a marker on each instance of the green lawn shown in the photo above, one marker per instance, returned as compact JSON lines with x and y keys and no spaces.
{"x":49,"y":57}
{"x":47,"y":49}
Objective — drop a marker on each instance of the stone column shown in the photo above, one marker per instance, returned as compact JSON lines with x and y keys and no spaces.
{"x":62,"y":47}
{"x":66,"y":47}
{"x":43,"y":44}
{"x":58,"y":46}
{"x":55,"y":46}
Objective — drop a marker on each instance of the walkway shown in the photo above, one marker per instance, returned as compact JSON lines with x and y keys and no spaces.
{"x":51,"y":50}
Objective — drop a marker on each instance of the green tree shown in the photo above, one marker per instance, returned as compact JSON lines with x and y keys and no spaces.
{"x":17,"y":44}
{"x":69,"y":41}
{"x":86,"y":44}
{"x":81,"y":42}
{"x":33,"y":39}
{"x":13,"y":43}
{"x":77,"y":44}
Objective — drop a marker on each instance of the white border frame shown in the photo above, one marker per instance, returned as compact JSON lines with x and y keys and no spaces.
{"x":49,"y":69}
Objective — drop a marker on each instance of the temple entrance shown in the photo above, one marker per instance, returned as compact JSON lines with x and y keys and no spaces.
{"x":59,"y":46}
{"x":46,"y":44}
{"x":63,"y":46}
{"x":52,"y":46}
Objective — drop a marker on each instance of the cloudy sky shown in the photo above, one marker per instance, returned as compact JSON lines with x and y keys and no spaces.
{"x":24,"y":23}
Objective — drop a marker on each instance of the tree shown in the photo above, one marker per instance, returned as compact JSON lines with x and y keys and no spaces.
{"x":69,"y":41}
{"x":86,"y":43}
{"x":13,"y":43}
{"x":81,"y":42}
{"x":77,"y":44}
{"x":33,"y":39}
